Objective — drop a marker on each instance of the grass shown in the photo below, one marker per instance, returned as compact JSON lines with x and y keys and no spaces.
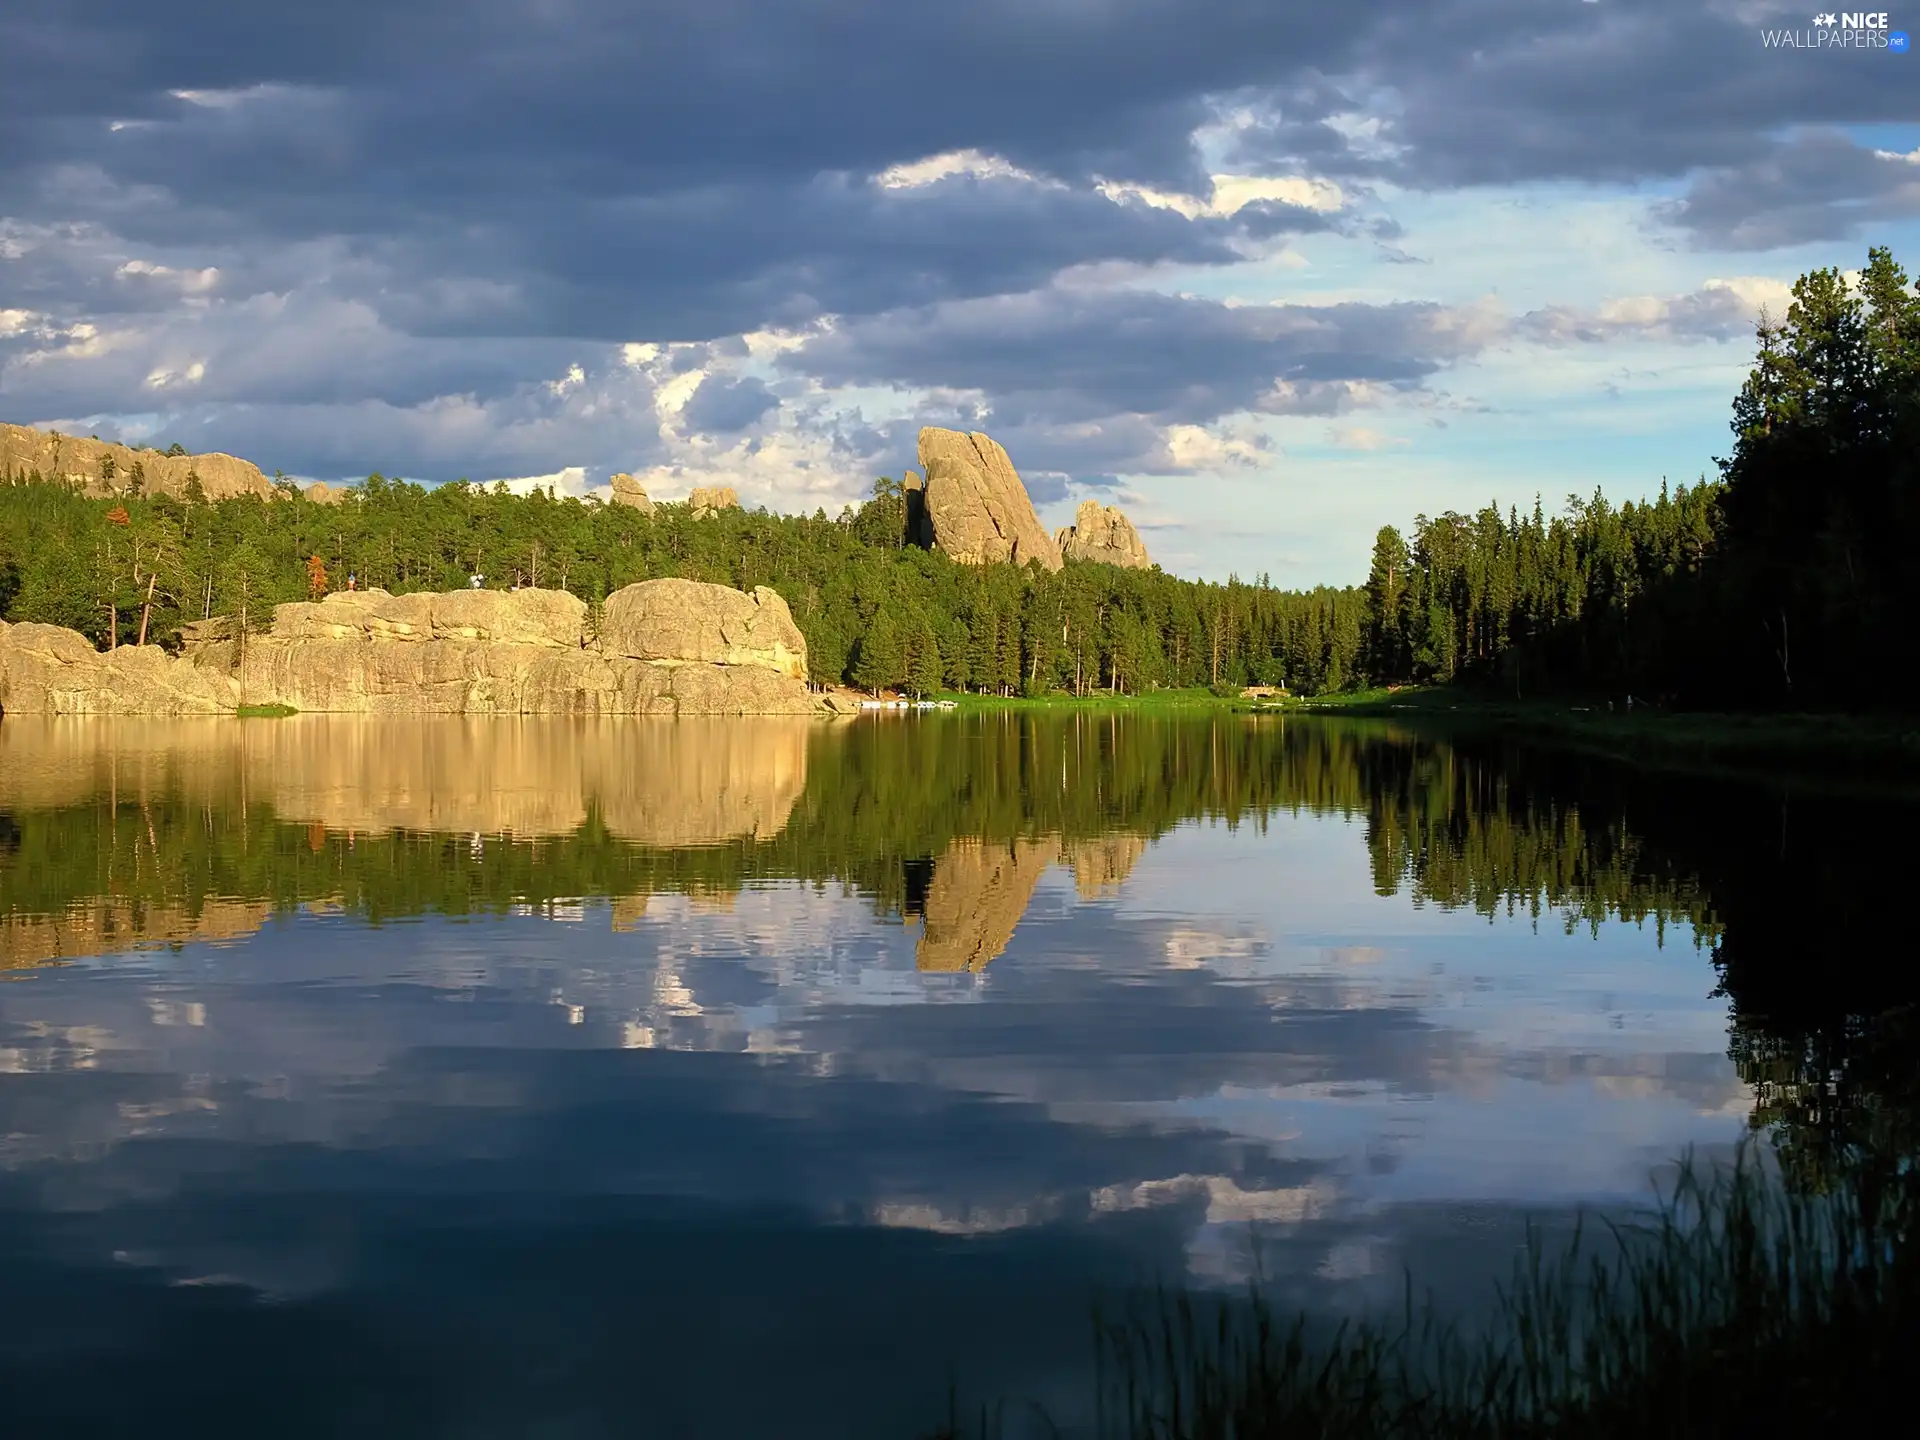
{"x":1734,"y":1309}
{"x":265,"y":712}
{"x":1862,"y":746}
{"x":1101,"y":700}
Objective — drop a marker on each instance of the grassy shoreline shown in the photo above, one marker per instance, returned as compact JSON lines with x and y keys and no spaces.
{"x":1781,"y":745}
{"x":1815,"y":747}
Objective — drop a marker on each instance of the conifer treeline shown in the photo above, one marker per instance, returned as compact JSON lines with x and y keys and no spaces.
{"x":1778,"y":582}
{"x":876,"y":611}
{"x":1781,"y":582}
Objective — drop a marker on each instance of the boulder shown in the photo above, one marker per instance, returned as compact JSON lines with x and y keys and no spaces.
{"x":711,"y":500}
{"x":47,"y":670}
{"x":101,"y":468}
{"x":1104,"y":536}
{"x":690,"y":622}
{"x":629,"y":492}
{"x":321,"y":493}
{"x":976,"y":509}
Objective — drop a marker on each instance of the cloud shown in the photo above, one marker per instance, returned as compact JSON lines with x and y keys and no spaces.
{"x":1808,"y":187}
{"x":726,"y":406}
{"x":1363,"y":437}
{"x":1720,"y":309}
{"x":708,"y":241}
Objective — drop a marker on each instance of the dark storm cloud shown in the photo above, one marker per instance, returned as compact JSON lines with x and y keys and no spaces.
{"x":1807,"y":188}
{"x":420,"y":213}
{"x":666,"y":169}
{"x":724,"y":406}
{"x":1077,"y":355}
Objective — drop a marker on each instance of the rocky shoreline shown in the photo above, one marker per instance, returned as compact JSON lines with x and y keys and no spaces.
{"x":661,"y":647}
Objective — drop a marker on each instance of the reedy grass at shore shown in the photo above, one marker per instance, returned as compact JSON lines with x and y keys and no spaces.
{"x":1734,"y":1309}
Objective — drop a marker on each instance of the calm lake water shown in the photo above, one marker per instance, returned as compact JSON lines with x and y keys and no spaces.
{"x":759,"y":1077}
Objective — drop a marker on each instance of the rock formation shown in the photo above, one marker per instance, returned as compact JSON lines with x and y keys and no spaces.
{"x":101,"y":468}
{"x":687,"y":621}
{"x":47,"y":670}
{"x":919,"y":524}
{"x":664,"y":647}
{"x":976,"y":509}
{"x":1103,"y":535}
{"x":629,"y":492}
{"x":321,"y":493}
{"x":711,"y":500}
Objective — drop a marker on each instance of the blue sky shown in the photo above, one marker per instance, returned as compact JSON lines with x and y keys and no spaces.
{"x":1269,"y":275}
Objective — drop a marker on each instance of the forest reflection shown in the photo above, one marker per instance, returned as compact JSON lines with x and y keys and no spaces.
{"x":116,"y":835}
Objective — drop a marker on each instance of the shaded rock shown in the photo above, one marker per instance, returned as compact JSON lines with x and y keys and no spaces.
{"x":688,"y":621}
{"x":977,"y":510}
{"x":99,"y":468}
{"x":711,"y":500}
{"x":321,"y":493}
{"x":629,"y":492}
{"x":978,"y":894}
{"x":919,"y":524}
{"x":47,"y":670}
{"x":1102,"y":535}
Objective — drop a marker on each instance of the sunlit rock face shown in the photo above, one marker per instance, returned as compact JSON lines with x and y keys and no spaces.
{"x":631,"y":493}
{"x":975,"y":507}
{"x":100,"y":468}
{"x":687,"y":621}
{"x":1102,"y":535}
{"x":47,"y":670}
{"x":661,"y":647}
{"x":706,"y":500}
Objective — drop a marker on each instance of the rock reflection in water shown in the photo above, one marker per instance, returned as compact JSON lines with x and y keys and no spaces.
{"x":570,"y":1047}
{"x":653,"y":782}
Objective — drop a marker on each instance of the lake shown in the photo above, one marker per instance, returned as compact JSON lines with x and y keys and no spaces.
{"x":766,"y":1077}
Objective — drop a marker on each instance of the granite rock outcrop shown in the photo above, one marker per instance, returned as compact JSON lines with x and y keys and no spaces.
{"x":101,"y":468}
{"x":629,"y":492}
{"x":662,"y":647}
{"x":706,"y":500}
{"x":48,"y":670}
{"x":975,"y":507}
{"x":1102,"y":535}
{"x":686,"y":621}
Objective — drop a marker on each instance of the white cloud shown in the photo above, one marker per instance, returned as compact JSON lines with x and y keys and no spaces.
{"x":189,"y":282}
{"x":570,"y":480}
{"x":1232,"y":193}
{"x":974,"y":164}
{"x":1363,"y":437}
{"x":1195,"y":447}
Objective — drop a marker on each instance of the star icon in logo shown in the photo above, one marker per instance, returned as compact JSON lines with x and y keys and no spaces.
{"x":1825,"y":18}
